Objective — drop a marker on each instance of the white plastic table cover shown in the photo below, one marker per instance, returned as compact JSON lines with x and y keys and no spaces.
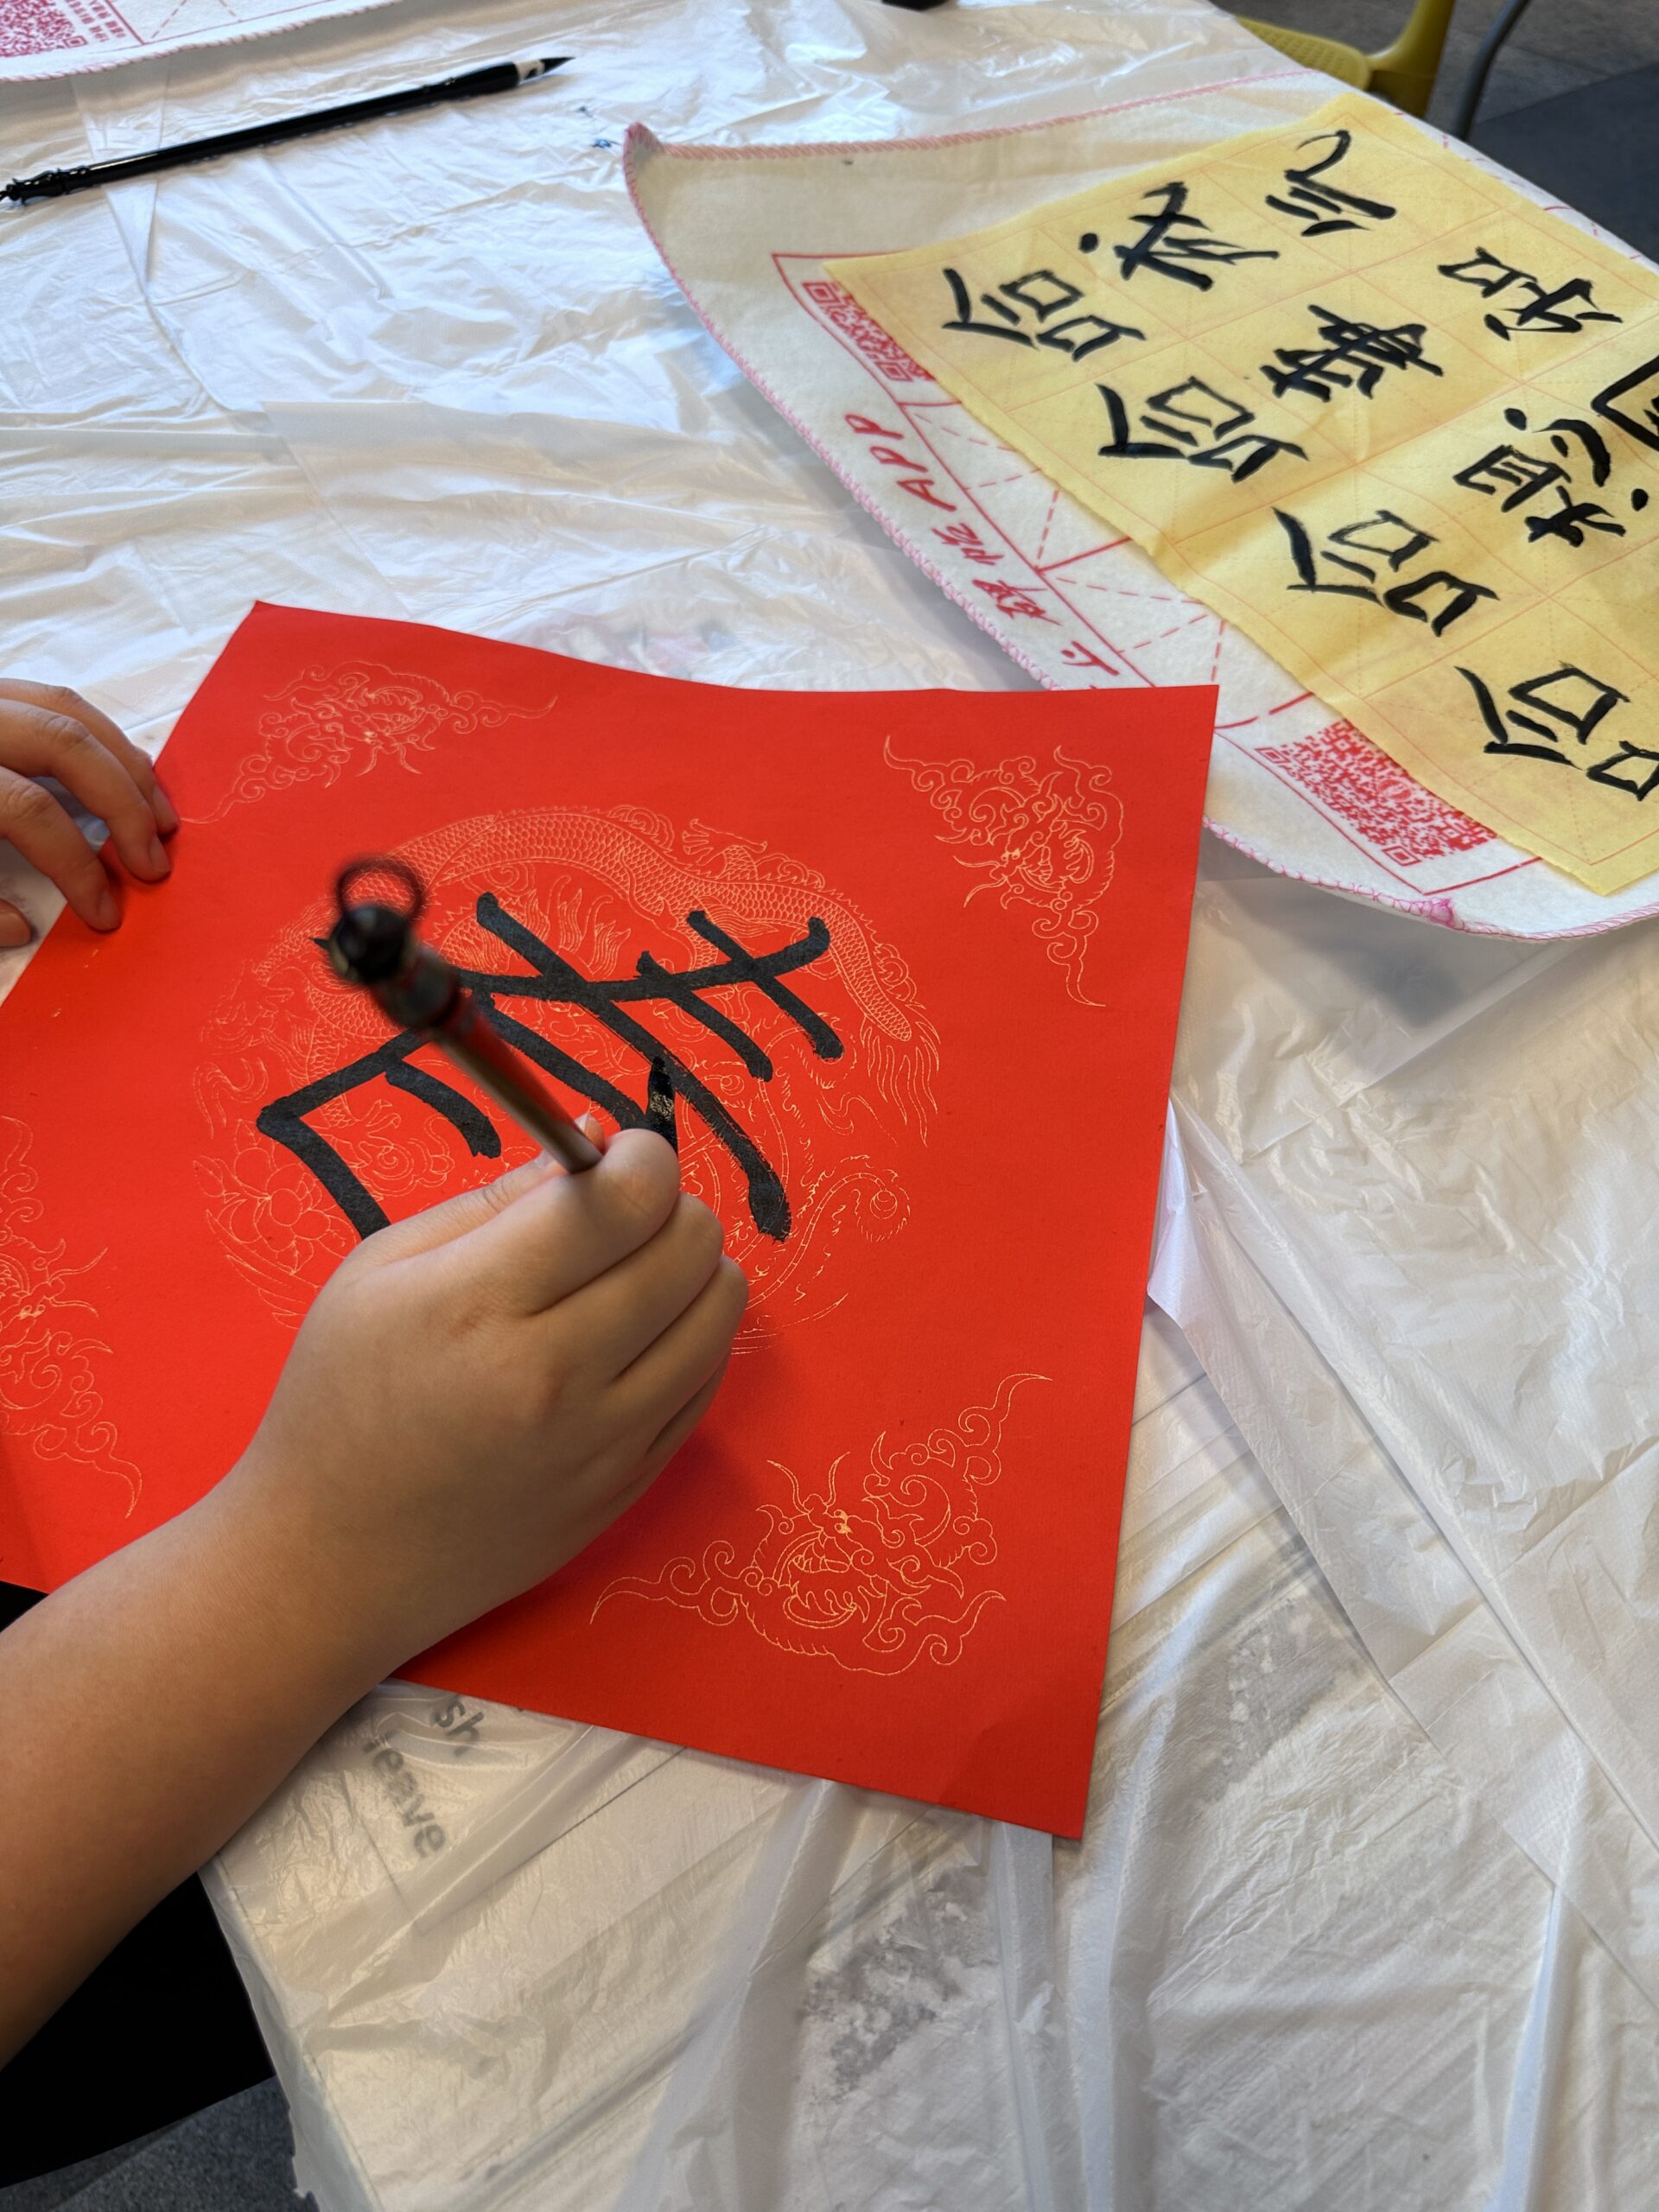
{"x":1293,"y":1963}
{"x":1363,"y":1917}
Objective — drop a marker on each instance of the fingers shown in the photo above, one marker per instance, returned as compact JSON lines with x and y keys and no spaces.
{"x":670,"y":1371}
{"x":32,"y":820}
{"x":663,"y":1445}
{"x":48,"y":731}
{"x":675,"y":1431}
{"x":569,"y":1228}
{"x":14,"y":927}
{"x":458,"y":1216}
{"x":612,"y":1319}
{"x":55,"y":699}
{"x":41,"y":741}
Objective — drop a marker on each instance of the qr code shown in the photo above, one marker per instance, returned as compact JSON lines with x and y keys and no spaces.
{"x":1374,"y":795}
{"x":35,"y":27}
{"x":885,"y":353}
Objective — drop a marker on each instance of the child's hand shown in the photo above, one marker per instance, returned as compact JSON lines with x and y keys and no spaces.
{"x":474,"y":1394}
{"x":479,"y":1390}
{"x":49,"y":731}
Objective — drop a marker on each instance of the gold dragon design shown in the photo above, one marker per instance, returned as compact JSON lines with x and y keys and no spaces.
{"x":325,"y":721}
{"x":1043,"y":840}
{"x":875,"y":1572}
{"x":49,"y":1354}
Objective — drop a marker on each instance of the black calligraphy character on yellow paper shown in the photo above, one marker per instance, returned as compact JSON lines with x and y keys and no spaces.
{"x":1574,"y":704}
{"x":1038,"y":294}
{"x":1631,"y":404}
{"x":1191,"y":421}
{"x":1385,"y":540}
{"x":1173,"y":242}
{"x":1529,"y":476}
{"x":1353,"y":355}
{"x":1520,"y":476}
{"x":1524,"y":477}
{"x":551,"y":981}
{"x":1322,"y":208}
{"x":1562,"y":312}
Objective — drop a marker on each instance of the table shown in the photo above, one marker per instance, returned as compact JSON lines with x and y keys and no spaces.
{"x":1364,"y":1912}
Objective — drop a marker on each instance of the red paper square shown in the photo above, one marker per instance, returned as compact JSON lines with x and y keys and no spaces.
{"x":888,"y":1555}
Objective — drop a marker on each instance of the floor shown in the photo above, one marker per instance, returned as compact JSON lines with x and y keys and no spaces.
{"x":233,"y":2156}
{"x":1559,"y":46}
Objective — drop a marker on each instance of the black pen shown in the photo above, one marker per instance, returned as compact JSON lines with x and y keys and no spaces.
{"x":500,"y":77}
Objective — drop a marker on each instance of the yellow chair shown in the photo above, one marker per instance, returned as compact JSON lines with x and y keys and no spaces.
{"x":1403,"y":74}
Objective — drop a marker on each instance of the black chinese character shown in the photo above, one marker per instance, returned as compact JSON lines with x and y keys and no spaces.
{"x":1043,"y":292}
{"x":1632,"y":403}
{"x":1523,"y":474}
{"x":1388,"y":539}
{"x":1318,"y":207}
{"x":1606,"y":772}
{"x":1527,"y":476}
{"x":554,"y":982}
{"x":1459,"y":596}
{"x":1077,"y":337}
{"x":1189,"y":414}
{"x":1169,"y":248}
{"x":1570,"y":518}
{"x":1360,"y":346}
{"x":1573,"y":714}
{"x":1543,"y":310}
{"x":1593,"y":446}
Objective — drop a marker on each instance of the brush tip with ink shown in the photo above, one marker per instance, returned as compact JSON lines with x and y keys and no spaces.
{"x":374,"y":944}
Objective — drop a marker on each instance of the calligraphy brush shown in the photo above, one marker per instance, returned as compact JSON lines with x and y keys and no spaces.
{"x":376,"y":947}
{"x":498,"y":77}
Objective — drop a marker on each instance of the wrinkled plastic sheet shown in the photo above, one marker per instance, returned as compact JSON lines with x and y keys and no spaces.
{"x":1329,"y":1939}
{"x":1408,"y":1201}
{"x":1292,"y":1962}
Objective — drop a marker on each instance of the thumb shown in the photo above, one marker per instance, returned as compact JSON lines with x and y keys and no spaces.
{"x":456,"y":1216}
